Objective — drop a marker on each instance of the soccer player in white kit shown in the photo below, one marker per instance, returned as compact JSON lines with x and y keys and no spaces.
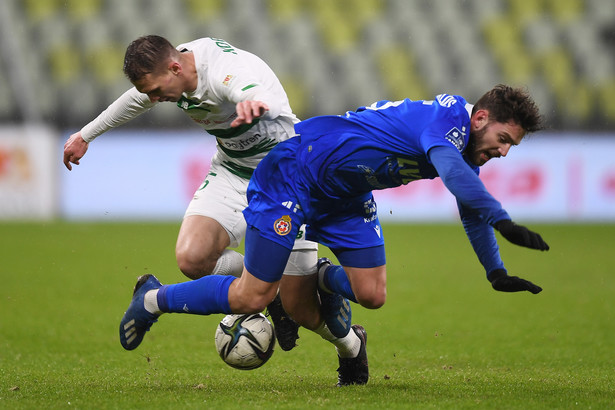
{"x":238,"y":99}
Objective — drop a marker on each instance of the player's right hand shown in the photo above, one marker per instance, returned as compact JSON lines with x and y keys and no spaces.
{"x":520,"y":235}
{"x":74,"y":149}
{"x":502,"y":282}
{"x":247,"y":111}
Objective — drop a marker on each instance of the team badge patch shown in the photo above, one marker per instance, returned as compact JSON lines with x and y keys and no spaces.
{"x":282,"y":225}
{"x":455,"y":137}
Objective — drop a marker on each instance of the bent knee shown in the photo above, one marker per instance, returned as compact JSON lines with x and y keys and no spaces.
{"x":191,"y":269}
{"x":372,"y":301}
{"x":194,"y":266}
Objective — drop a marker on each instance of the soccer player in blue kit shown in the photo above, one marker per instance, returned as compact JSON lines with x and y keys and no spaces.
{"x":324,"y":178}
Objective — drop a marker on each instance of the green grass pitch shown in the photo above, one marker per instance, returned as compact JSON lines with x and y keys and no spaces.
{"x":444,"y":339}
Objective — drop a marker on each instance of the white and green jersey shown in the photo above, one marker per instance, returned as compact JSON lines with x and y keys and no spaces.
{"x":226,"y":76}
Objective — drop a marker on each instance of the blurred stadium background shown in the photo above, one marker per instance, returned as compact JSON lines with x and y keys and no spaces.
{"x":62,"y":65}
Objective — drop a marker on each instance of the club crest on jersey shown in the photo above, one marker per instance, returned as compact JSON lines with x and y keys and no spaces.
{"x":227,"y":79}
{"x":282,"y":225}
{"x":455,"y":137}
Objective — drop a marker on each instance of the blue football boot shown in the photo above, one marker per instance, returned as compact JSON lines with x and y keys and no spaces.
{"x":137,"y":320}
{"x":335,"y":309}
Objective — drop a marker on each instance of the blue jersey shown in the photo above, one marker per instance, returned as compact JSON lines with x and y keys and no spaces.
{"x":324,"y":177}
{"x":381,"y":146}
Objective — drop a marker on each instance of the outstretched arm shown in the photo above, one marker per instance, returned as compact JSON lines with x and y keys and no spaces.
{"x":470,"y":192}
{"x":485,"y":246}
{"x":479,"y":211}
{"x":128,"y":106}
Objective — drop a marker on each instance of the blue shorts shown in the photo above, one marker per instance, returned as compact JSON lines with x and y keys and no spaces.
{"x":280,"y":201}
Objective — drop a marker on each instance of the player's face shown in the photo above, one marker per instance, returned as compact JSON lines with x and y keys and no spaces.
{"x":490,"y":139}
{"x":161,"y":86}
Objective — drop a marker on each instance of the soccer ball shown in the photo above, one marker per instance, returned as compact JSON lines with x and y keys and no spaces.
{"x":245,"y":341}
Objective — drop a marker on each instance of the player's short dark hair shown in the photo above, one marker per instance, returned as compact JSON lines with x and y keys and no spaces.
{"x":144,"y":56}
{"x":506,"y":104}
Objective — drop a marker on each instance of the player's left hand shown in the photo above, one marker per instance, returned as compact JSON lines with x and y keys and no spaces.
{"x":502,"y":282}
{"x":248,"y":111}
{"x":520,"y":235}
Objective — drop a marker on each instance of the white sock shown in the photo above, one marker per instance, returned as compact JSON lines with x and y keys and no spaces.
{"x":347,"y":346}
{"x":150,"y":300}
{"x":229,"y":263}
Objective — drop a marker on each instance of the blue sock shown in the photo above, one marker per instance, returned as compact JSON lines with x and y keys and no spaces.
{"x":203,"y":296}
{"x":335,"y":279}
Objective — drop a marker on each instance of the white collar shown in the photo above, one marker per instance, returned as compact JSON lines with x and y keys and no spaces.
{"x":469,"y":109}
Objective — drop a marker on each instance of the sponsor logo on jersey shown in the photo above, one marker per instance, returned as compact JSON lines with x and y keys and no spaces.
{"x":456,"y":137}
{"x":371,"y":212}
{"x":282,"y":226}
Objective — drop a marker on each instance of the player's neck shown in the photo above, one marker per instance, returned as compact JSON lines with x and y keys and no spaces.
{"x":189,"y":65}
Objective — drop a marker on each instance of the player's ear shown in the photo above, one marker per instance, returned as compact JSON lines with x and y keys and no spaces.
{"x":479,"y":119}
{"x":175,"y":67}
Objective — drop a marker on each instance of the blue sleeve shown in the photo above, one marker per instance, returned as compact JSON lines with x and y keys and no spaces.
{"x":477,"y":208}
{"x":482,"y":238}
{"x":463,"y":182}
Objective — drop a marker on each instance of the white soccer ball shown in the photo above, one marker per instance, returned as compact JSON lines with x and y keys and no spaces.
{"x":245,"y":341}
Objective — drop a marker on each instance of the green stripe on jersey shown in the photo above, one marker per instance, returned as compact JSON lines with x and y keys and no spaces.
{"x":233,"y":132}
{"x":247,"y":87}
{"x":242,"y":172}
